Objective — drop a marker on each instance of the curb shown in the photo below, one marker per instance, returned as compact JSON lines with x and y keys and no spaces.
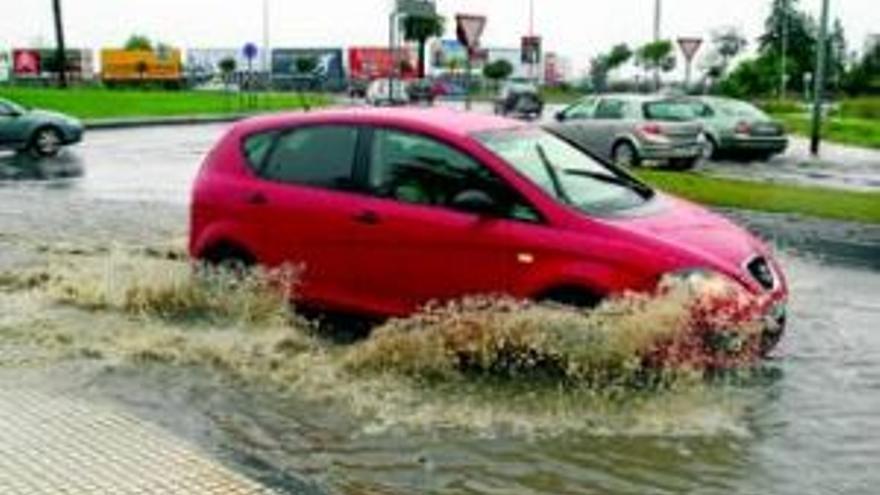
{"x":99,"y":124}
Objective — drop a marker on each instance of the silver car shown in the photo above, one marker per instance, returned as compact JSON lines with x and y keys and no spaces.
{"x":631,"y":130}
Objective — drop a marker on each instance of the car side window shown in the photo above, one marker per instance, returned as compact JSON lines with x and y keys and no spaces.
{"x":610,"y":109}
{"x":411,"y":168}
{"x":581,"y":110}
{"x":320,"y":156}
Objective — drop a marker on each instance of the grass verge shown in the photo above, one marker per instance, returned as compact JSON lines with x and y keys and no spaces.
{"x":777,"y":198}
{"x":844,"y":130}
{"x":99,"y":103}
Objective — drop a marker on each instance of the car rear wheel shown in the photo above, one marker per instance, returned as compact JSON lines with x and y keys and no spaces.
{"x":625,"y":155}
{"x":46,"y":141}
{"x":710,"y":148}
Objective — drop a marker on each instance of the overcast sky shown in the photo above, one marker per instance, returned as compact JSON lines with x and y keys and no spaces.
{"x":575,"y":28}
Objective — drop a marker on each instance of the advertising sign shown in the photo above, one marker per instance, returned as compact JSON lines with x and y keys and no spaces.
{"x":448,"y":54}
{"x":133,"y":65}
{"x":205,"y":62}
{"x":368,"y":63}
{"x":26,"y":62}
{"x":42,"y":63}
{"x":308,"y":68}
{"x":531,"y":50}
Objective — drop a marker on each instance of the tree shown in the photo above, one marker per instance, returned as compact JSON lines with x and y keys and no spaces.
{"x":864,"y":76}
{"x":139,"y":42}
{"x":656,"y":56}
{"x":60,"y":51}
{"x":420,"y":29}
{"x":789,"y":28}
{"x":141,"y":67}
{"x":227,"y":68}
{"x":603,"y":64}
{"x":306,"y":65}
{"x":498,"y":70}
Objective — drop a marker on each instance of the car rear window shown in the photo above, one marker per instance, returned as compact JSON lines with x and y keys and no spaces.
{"x":669,"y":110}
{"x":321,"y":156}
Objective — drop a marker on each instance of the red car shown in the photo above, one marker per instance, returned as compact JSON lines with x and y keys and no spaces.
{"x":389,"y":209}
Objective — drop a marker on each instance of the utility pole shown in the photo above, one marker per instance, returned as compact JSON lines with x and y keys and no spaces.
{"x":783,"y":86}
{"x":266,"y":60}
{"x":657,"y":15}
{"x":532,"y":67}
{"x":61,"y":52}
{"x":819,"y":81}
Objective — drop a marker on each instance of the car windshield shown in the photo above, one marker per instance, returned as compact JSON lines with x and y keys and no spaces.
{"x":566,"y":172}
{"x":670,"y":110}
{"x":742,"y":109}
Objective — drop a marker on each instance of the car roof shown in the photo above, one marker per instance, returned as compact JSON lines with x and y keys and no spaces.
{"x":444,"y":120}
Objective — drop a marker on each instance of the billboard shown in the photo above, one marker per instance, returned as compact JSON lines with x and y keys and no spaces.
{"x":368,"y":63}
{"x":308,"y":68}
{"x":205,"y":62}
{"x":448,"y":55}
{"x":38,"y":63}
{"x":140,"y":65}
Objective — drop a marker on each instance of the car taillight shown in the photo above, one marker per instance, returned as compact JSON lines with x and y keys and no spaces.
{"x":743,"y":128}
{"x":651,"y":129}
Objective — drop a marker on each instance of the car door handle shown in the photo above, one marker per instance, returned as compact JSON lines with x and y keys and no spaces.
{"x":367,"y":217}
{"x":256,"y":198}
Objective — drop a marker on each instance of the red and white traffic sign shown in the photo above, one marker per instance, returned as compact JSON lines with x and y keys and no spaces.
{"x":469,"y":29}
{"x":690,"y":46}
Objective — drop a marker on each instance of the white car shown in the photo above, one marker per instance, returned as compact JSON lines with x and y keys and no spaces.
{"x":378,"y":93}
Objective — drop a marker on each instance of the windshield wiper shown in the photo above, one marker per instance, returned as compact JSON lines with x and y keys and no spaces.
{"x":554,"y":175}
{"x":643,"y":190}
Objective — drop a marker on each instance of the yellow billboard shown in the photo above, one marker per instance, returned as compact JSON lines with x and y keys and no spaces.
{"x":141,"y":65}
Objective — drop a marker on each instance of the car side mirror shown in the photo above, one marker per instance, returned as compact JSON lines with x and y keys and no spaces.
{"x":475,"y":201}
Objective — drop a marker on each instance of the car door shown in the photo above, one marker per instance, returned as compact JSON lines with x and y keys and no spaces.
{"x":9,"y":128}
{"x":609,"y":122}
{"x":302,"y":204}
{"x":418,"y":247}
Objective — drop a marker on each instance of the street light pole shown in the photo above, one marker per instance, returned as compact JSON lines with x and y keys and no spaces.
{"x":783,"y":63}
{"x":61,"y":52}
{"x":657,"y":14}
{"x":266,"y":60}
{"x":819,"y":81}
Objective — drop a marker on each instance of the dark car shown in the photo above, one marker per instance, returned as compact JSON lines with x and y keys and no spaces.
{"x":41,"y":132}
{"x":520,"y":98}
{"x":421,"y":91}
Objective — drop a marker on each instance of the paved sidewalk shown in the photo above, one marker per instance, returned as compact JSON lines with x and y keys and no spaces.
{"x":51,"y":444}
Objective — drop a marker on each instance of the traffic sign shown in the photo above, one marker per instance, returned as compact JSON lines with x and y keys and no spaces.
{"x":690,"y":47}
{"x":250,"y":51}
{"x":469,"y":29}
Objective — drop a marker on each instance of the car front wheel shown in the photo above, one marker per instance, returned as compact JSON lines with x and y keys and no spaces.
{"x":625,"y":155}
{"x":46,"y":142}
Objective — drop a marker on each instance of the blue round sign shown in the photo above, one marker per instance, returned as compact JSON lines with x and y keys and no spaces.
{"x":250,"y":51}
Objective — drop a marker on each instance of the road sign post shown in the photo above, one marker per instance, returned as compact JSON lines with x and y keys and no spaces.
{"x":469,"y":28}
{"x":819,"y":82}
{"x":689,"y":47}
{"x":250,"y":52}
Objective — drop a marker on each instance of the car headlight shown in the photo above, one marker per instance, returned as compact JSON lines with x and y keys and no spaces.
{"x":707,"y":282}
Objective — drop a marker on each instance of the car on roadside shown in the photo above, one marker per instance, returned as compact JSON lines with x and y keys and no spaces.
{"x":382,"y":92}
{"x":421,"y":92}
{"x":737,"y":127}
{"x":519,"y":98}
{"x":40,"y":132}
{"x":387,"y":210}
{"x":631,"y":130}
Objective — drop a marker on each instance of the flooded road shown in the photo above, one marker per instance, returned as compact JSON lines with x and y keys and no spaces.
{"x":277,"y":407}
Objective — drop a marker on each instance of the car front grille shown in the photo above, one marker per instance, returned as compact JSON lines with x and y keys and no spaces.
{"x":759,"y":268}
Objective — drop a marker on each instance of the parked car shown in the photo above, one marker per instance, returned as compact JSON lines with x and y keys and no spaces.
{"x":357,"y":88}
{"x":378,"y":93}
{"x":41,"y":132}
{"x":520,"y":98}
{"x":733,"y":126}
{"x":386,"y":210}
{"x":421,"y":91}
{"x":630,"y":130}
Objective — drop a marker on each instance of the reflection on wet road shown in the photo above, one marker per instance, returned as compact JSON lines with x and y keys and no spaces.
{"x":807,"y":424}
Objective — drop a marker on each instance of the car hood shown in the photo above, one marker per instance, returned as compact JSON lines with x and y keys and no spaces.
{"x":695,"y":237}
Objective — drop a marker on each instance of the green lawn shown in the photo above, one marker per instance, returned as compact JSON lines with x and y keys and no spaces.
{"x":856,"y":121}
{"x":810,"y":201}
{"x":99,"y":103}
